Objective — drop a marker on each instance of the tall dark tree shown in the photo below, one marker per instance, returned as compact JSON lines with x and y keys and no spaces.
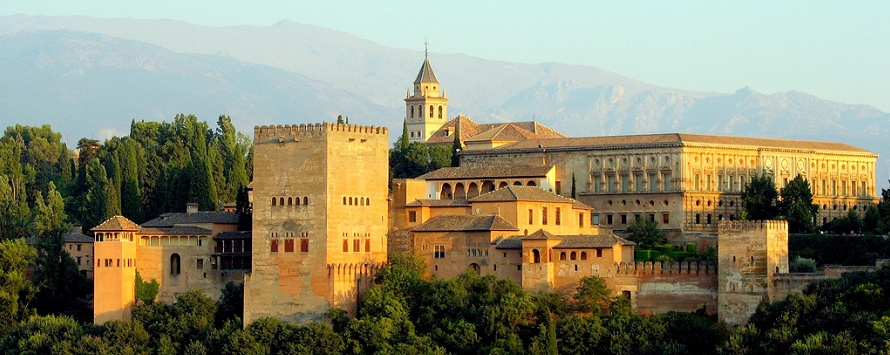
{"x":797,"y":205}
{"x":96,"y":204}
{"x":644,"y":231}
{"x":760,"y":199}
{"x":456,"y":146}
{"x":403,"y":141}
{"x":232,"y":151}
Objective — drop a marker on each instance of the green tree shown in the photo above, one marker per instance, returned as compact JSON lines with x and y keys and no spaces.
{"x":456,"y":146}
{"x":146,"y":292}
{"x":15,"y":217}
{"x":96,"y":205}
{"x":230,"y":306}
{"x":16,"y":289}
{"x":573,"y":184}
{"x":797,"y":206}
{"x":872,"y":219}
{"x":644,"y":231}
{"x":592,"y":295}
{"x":760,"y":199}
{"x":57,"y":276}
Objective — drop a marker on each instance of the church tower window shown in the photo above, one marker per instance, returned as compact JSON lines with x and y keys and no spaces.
{"x":431,"y":111}
{"x":440,"y":111}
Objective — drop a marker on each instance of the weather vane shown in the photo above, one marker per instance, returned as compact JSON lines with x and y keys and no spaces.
{"x":426,"y":48}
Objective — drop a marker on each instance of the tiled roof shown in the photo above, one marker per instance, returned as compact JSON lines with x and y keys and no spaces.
{"x":527,"y":193}
{"x":117,"y":223}
{"x":510,"y":243}
{"x":487,"y":172}
{"x":439,"y":203}
{"x":677,"y":139}
{"x":426,"y":74}
{"x":540,"y":234}
{"x":176,"y":230}
{"x":472,"y":131}
{"x":171,"y":219}
{"x":591,"y":241}
{"x":77,"y":237}
{"x":460,"y":222}
{"x":234,"y":235}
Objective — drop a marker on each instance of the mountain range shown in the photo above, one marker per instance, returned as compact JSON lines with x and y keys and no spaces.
{"x":89,"y":77}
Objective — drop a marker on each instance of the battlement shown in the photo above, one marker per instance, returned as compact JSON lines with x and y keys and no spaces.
{"x":666,"y":268}
{"x":289,"y":132}
{"x":730,"y":227}
{"x":353,"y":269}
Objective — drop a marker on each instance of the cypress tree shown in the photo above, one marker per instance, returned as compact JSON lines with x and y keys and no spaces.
{"x":403,"y":142}
{"x":95,"y":208}
{"x":456,"y":146}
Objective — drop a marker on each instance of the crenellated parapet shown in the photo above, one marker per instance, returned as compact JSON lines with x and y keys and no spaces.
{"x":354,"y":269}
{"x":732,"y":227}
{"x":667,"y":268}
{"x":285,"y":133}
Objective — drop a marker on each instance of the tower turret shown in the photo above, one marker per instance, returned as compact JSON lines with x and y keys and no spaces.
{"x":426,"y":110}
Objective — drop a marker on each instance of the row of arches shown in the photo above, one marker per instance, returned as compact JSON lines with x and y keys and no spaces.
{"x":291,"y":201}
{"x":431,"y":111}
{"x":460,"y":191}
{"x":356,"y":201}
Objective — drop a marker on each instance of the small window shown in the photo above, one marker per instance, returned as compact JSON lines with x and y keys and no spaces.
{"x":440,"y":109}
{"x":281,"y":201}
{"x":544,"y":215}
{"x":583,"y":255}
{"x":356,"y":245}
{"x":573,"y":256}
{"x":288,"y":245}
{"x":174,"y":264}
{"x":297,"y":201}
{"x":536,"y":256}
{"x":367,"y":245}
{"x":439,"y":251}
{"x":665,"y":218}
{"x":431,"y":111}
{"x":558,"y":216}
{"x":273,"y":245}
{"x":599,"y":253}
{"x":305,"y":200}
{"x":344,"y":200}
{"x":290,"y":201}
{"x":345,"y":245}
{"x":78,"y":247}
{"x":531,"y":216}
{"x":562,"y":255}
{"x":304,"y":245}
{"x":581,"y":219}
{"x":200,"y":264}
{"x":274,"y":201}
{"x":412,"y":216}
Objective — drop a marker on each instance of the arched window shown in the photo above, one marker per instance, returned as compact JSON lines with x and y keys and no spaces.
{"x":174,"y":264}
{"x":298,"y":201}
{"x":431,"y":111}
{"x":502,"y":185}
{"x":531,"y":183}
{"x":573,"y":256}
{"x":420,"y":111}
{"x":344,"y":200}
{"x":440,"y":111}
{"x":305,"y":200}
{"x":367,"y":245}
{"x":562,"y":255}
{"x":583,"y":255}
{"x":290,"y":201}
{"x":281,"y":201}
{"x":345,"y":245}
{"x":274,"y":201}
{"x":517,"y":183}
{"x":350,"y":201}
{"x":412,"y":111}
{"x":536,"y":256}
{"x":368,"y":201}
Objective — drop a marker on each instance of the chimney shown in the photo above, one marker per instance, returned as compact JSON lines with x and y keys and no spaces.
{"x":191,"y":207}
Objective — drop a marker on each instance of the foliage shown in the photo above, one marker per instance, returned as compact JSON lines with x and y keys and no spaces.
{"x":849,"y":224}
{"x":58,"y":277}
{"x":456,"y":146}
{"x":592,"y":295}
{"x":16,"y":290}
{"x":644,"y":231}
{"x":797,"y":205}
{"x":417,"y":159}
{"x":858,"y":250}
{"x":760,"y":199}
{"x":801,"y":264}
{"x":230,"y":305}
{"x":146,"y":292}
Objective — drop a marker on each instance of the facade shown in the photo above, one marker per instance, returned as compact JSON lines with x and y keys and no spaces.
{"x":80,"y":247}
{"x":689,"y":182}
{"x":179,"y":250}
{"x":320,"y":219}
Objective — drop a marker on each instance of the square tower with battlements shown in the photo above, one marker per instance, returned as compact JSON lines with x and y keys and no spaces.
{"x":319,"y":219}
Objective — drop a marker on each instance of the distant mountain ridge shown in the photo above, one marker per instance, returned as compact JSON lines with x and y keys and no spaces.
{"x":290,"y":72}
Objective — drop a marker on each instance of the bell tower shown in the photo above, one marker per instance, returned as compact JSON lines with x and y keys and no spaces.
{"x":426,"y":110}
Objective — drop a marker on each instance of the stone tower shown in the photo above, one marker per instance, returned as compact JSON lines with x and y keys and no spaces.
{"x":319,"y":219}
{"x":426,"y":110}
{"x":749,"y":255}
{"x":114,"y":283}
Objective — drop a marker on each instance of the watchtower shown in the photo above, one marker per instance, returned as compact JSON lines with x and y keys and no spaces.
{"x":319,"y":219}
{"x":426,"y":110}
{"x":114,"y":283}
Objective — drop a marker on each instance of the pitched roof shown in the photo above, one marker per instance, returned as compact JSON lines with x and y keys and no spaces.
{"x":234,"y":235}
{"x":471,"y":131}
{"x":171,"y":219}
{"x":426,"y":74}
{"x":176,"y":230}
{"x":676,"y":140}
{"x":527,"y":193}
{"x":487,"y":172}
{"x":591,"y":241}
{"x":439,"y":203}
{"x":460,"y":223}
{"x":509,"y":243}
{"x":117,"y":223}
{"x":539,"y":235}
{"x":77,"y":237}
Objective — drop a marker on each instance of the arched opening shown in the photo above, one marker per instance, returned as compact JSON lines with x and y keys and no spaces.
{"x":290,"y":201}
{"x":281,"y":201}
{"x":472,"y":190}
{"x":174,"y":264}
{"x":345,"y":245}
{"x":274,"y":201}
{"x":305,"y":200}
{"x":517,"y":183}
{"x":487,"y":186}
{"x":562,"y":255}
{"x":583,"y":255}
{"x":344,"y":200}
{"x":411,"y":111}
{"x":440,"y":111}
{"x":459,"y":192}
{"x":446,"y":192}
{"x":502,"y":185}
{"x":475,"y":267}
{"x":531,"y":183}
{"x":419,"y":111}
{"x":367,"y":201}
{"x":573,"y":256}
{"x":431,"y":111}
{"x":297,"y":201}
{"x":350,"y":201}
{"x":536,"y":256}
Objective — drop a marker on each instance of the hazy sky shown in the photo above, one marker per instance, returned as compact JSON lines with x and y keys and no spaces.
{"x":837,"y":50}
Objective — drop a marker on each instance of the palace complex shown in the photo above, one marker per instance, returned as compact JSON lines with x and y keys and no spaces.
{"x":526,"y":203}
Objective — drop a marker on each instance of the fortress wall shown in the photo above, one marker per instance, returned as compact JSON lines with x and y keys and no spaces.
{"x":671,"y":286}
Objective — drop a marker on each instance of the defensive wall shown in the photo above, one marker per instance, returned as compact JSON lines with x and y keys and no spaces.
{"x":660,"y":287}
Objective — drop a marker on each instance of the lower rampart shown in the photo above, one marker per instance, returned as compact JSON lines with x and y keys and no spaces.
{"x":670,"y":286}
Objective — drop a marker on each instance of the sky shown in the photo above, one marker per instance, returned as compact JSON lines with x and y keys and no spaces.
{"x":836,"y":50}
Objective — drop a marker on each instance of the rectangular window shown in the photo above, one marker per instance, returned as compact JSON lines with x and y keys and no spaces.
{"x":273,"y":245}
{"x":625,"y":183}
{"x":599,"y":253}
{"x":709,"y":218}
{"x":345,"y":245}
{"x":304,"y":245}
{"x":652,"y":217}
{"x":610,"y":183}
{"x":638,"y":183}
{"x":439,"y":251}
{"x":696,"y":180}
{"x":558,"y":216}
{"x":624,"y":219}
{"x":531,"y":216}
{"x":596,"y":184}
{"x":78,"y":247}
{"x":666,"y":181}
{"x":707,"y":182}
{"x":78,"y":260}
{"x":653,"y":183}
{"x":822,"y":190}
{"x":595,"y":220}
{"x":834,"y":187}
{"x":609,"y":219}
{"x":864,"y":191}
{"x":581,"y":219}
{"x":558,"y":187}
{"x":697,"y":218}
{"x":544,"y":215}
{"x":288,"y":245}
{"x":200,"y":264}
{"x":665,"y":218}
{"x":412,"y":216}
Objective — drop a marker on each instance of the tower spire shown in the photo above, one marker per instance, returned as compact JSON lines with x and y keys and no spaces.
{"x":426,"y":48}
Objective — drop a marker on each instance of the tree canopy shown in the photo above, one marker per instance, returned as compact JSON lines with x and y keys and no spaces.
{"x":760,"y":199}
